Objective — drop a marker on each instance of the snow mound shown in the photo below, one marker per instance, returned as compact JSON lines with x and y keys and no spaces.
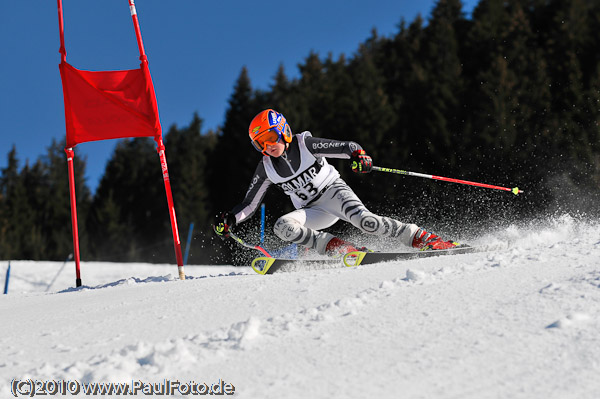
{"x":570,"y":320}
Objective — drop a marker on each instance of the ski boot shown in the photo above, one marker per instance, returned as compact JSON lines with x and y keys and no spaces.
{"x":337,"y":247}
{"x":425,"y":241}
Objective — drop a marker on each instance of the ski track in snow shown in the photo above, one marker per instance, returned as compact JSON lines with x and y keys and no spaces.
{"x":518,"y":323}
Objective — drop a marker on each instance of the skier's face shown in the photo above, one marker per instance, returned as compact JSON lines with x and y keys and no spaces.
{"x":275,"y":149}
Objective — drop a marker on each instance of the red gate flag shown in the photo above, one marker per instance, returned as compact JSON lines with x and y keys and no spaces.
{"x":109,"y":104}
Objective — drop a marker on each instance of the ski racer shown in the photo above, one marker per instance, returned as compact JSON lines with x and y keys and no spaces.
{"x":297,"y":164}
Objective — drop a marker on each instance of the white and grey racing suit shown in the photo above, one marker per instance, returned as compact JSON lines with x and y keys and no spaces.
{"x":318,"y":193}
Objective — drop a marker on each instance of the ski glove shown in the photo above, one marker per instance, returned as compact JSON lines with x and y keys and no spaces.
{"x":361,"y":162}
{"x":224,"y":222}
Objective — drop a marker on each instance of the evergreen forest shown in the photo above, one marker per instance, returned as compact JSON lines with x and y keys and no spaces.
{"x":508,"y":96}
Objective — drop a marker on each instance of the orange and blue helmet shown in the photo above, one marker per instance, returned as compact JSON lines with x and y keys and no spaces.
{"x":269,"y":127}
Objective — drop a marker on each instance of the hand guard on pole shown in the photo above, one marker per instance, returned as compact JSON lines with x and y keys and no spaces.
{"x":361,"y":162}
{"x":224,"y":222}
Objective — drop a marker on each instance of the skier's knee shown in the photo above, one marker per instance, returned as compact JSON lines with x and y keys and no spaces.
{"x":370,"y":223}
{"x":287,"y":228}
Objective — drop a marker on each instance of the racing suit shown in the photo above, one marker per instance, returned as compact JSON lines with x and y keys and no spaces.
{"x":320,"y":196}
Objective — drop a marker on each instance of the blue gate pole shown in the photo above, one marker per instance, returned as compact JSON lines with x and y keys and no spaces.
{"x":262,"y":224}
{"x":187,"y":245}
{"x":7,"y":278}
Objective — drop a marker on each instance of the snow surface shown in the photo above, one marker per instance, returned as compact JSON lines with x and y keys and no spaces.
{"x":523,"y":322}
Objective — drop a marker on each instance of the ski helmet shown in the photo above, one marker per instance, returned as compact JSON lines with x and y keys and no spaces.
{"x":269,"y":127}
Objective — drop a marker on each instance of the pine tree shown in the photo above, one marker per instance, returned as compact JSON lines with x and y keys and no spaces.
{"x":35,"y":220}
{"x":374,"y":116}
{"x":281,"y":96}
{"x":593,"y":106}
{"x":564,"y":44}
{"x":404,"y":78}
{"x":129,"y":208}
{"x":373,"y":119}
{"x":512,"y":97}
{"x":312,"y":107}
{"x":188,"y":167}
{"x":338,"y":103}
{"x":16,"y":214}
{"x":53,"y":201}
{"x":234,"y":159}
{"x":440,"y":97}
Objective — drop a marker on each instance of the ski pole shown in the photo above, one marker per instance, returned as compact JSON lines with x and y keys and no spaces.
{"x":247,"y":245}
{"x":514,"y":190}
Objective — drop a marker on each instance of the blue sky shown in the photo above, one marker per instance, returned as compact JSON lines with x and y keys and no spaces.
{"x":196,"y":50}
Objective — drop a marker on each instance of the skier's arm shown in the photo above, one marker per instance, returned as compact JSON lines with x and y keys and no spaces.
{"x":361,"y":162}
{"x":256,"y":192}
{"x":328,"y":148}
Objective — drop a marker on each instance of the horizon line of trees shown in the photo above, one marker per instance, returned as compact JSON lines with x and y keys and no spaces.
{"x":510,"y":97}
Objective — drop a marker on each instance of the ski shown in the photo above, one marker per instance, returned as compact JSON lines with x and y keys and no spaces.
{"x":265,"y":265}
{"x":366,"y":258}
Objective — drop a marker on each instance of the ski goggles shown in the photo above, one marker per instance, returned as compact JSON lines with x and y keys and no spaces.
{"x":268,"y":137}
{"x":272,"y":136}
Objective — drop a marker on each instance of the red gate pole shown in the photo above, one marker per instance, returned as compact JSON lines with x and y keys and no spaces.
{"x":176,"y":241}
{"x":70,"y":155}
{"x":159,"y":143}
{"x":61,"y":29}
